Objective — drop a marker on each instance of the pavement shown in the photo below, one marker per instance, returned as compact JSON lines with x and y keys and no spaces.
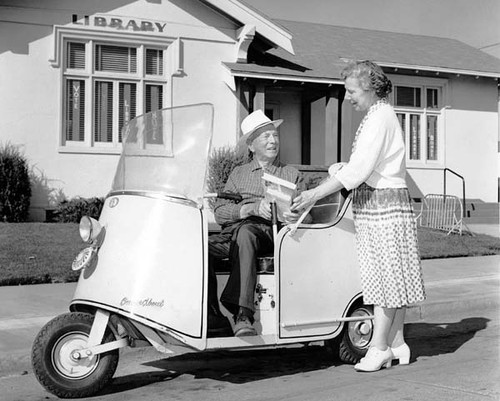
{"x":467,"y":285}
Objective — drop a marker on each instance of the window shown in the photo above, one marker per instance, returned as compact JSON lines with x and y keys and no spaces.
{"x":106,"y":85}
{"x":420,"y":123}
{"x":407,"y":96}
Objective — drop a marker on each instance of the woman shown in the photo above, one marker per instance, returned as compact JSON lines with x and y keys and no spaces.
{"x":386,"y":238}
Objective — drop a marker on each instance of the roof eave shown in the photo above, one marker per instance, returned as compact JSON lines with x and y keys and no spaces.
{"x":264,"y":26}
{"x":454,"y":71}
{"x":283,"y":77}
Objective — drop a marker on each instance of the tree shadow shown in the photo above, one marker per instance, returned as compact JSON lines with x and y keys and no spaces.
{"x":431,"y":339}
{"x":239,"y":367}
{"x":236,"y":367}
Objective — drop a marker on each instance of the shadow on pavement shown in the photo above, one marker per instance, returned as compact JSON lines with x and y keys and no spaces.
{"x":430,"y":339}
{"x":236,"y":367}
{"x":230,"y":366}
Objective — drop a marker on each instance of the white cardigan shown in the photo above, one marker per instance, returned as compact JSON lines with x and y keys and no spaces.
{"x":379,"y":155}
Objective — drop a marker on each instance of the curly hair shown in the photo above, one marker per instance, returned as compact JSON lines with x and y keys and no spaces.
{"x":370,"y":77}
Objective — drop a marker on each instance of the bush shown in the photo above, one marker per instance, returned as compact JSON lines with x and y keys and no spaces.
{"x":220,"y":164}
{"x":15,"y":188}
{"x":73,"y":210}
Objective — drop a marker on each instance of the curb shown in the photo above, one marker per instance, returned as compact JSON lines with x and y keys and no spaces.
{"x":435,"y":310}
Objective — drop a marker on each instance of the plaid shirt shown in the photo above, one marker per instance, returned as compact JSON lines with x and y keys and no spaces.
{"x":246,"y":180}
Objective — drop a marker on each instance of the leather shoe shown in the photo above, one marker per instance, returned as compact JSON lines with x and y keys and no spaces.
{"x":374,"y":360}
{"x":402,"y":353}
{"x":243,"y":326}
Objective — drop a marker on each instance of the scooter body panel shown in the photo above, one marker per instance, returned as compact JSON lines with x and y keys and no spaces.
{"x":146,"y":266}
{"x":318,"y":278}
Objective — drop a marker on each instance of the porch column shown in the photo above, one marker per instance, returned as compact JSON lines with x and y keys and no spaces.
{"x":333,"y":121}
{"x":259,"y":100}
{"x":306,"y":131}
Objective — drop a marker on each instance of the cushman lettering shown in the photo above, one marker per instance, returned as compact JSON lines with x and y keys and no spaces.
{"x":124,"y":24}
{"x":146,"y":302}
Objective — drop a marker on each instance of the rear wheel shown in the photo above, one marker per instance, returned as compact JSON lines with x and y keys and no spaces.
{"x":353,"y":343}
{"x":59,"y":369}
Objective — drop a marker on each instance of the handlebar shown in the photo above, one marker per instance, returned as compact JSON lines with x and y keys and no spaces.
{"x":225,"y":195}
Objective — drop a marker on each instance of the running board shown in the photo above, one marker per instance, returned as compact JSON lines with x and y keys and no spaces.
{"x":327,"y":322}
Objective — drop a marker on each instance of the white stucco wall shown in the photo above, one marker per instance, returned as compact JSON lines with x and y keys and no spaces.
{"x":470,"y":143}
{"x":31,"y":100}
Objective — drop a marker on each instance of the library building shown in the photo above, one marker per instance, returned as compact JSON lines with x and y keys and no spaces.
{"x":73,"y":73}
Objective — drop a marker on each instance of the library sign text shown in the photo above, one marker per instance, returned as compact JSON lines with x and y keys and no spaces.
{"x":120,"y":23}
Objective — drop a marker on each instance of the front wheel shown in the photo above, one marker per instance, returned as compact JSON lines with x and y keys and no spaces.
{"x":54,"y":362}
{"x":355,"y":339}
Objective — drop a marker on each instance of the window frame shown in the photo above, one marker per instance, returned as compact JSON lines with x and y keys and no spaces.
{"x":424,"y":83}
{"x":88,"y":74}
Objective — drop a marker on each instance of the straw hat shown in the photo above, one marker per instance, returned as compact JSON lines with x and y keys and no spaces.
{"x":250,"y":127}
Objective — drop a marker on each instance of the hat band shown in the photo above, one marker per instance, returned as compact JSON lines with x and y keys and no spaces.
{"x":255,"y":134}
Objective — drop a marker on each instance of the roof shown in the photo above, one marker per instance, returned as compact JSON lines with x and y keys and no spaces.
{"x":247,"y":15}
{"x":320,"y":52}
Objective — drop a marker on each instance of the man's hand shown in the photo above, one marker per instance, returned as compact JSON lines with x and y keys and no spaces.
{"x":263,"y":209}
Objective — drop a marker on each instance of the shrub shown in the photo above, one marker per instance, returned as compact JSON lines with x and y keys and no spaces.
{"x":71,"y":211}
{"x":15,"y":188}
{"x":220,"y":164}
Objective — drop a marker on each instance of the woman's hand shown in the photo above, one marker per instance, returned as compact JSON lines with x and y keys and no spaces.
{"x":291,"y":217}
{"x":304,"y":200}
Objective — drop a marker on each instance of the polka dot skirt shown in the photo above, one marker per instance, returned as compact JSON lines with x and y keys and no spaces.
{"x":386,"y":239}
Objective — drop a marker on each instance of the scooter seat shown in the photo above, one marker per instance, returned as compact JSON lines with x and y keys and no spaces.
{"x":265,"y":265}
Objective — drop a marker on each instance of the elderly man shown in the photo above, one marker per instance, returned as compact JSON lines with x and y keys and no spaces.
{"x":247,"y":230}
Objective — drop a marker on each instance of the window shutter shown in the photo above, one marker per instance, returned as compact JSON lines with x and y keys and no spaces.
{"x":75,"y":57}
{"x":103,"y":112}
{"x":154,"y":101}
{"x":431,"y":137}
{"x":154,"y":62}
{"x":127,"y":105}
{"x":414,"y":137}
{"x":154,"y":98}
{"x":75,"y":109}
{"x":116,"y":59}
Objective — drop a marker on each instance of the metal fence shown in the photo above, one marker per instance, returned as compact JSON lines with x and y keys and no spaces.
{"x":442,"y":212}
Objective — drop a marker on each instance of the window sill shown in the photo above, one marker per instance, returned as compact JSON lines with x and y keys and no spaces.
{"x":87,"y":150}
{"x":424,"y":166}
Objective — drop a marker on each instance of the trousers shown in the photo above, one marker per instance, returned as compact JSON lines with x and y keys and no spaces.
{"x":253,"y":238}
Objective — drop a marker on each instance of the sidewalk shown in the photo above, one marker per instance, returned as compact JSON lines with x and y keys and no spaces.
{"x":465,"y":285}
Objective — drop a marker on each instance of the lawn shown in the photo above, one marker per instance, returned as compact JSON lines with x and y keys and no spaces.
{"x":33,"y":253}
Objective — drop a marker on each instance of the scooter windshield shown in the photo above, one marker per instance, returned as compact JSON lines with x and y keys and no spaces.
{"x":166,"y":151}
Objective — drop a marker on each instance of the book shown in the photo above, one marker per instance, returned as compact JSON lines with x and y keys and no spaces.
{"x":279,"y":191}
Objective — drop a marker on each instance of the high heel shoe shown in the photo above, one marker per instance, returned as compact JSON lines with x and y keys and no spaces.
{"x":374,"y":360}
{"x":402,"y":353}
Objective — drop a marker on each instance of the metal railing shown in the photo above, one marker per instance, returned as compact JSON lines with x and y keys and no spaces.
{"x":463,"y":188}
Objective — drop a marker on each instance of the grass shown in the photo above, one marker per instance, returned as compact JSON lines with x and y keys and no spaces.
{"x":34,"y":253}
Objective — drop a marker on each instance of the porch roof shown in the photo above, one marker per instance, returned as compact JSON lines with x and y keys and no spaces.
{"x":321,"y":51}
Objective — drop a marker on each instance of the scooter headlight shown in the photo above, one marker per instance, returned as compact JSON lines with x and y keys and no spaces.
{"x":89,"y":229}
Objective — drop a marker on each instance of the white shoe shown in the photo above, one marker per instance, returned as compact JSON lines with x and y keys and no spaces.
{"x":402,"y":353}
{"x":374,"y":360}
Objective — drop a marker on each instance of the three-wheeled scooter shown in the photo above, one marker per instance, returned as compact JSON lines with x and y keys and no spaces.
{"x":144,"y":271}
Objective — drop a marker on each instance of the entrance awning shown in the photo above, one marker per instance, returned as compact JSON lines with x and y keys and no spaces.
{"x":273,"y":73}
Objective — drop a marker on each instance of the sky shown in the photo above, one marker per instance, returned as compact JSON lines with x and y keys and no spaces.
{"x":475,"y":22}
